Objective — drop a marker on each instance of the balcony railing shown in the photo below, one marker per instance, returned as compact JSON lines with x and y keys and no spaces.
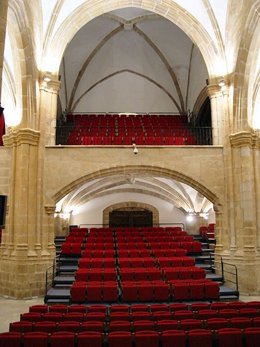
{"x":69,"y":134}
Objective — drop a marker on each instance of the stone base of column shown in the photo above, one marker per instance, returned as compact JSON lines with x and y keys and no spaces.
{"x":247,"y":266}
{"x":23,"y":278}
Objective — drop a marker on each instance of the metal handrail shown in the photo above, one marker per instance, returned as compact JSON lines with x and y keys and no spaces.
{"x":54,"y":267}
{"x":232,"y":273}
{"x":224,"y":271}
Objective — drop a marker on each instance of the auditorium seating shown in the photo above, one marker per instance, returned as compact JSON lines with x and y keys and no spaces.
{"x":173,"y":324}
{"x":134,"y":265}
{"x":141,"y":129}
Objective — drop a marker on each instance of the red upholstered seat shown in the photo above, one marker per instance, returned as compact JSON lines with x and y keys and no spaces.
{"x":119,"y":325}
{"x":21,"y":326}
{"x":172,"y":338}
{"x":199,"y":338}
{"x":141,"y":325}
{"x":36,"y":338}
{"x":119,"y":339}
{"x":62,"y":339}
{"x":146,"y":338}
{"x":252,"y":337}
{"x":10,"y":339}
{"x":45,"y":326}
{"x":71,"y":326}
{"x":90,"y":339}
{"x":230,"y":337}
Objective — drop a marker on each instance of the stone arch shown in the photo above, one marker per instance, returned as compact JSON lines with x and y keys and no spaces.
{"x":26,"y":72}
{"x":131,"y":204}
{"x":173,"y":12}
{"x":245,"y":65}
{"x":153,"y":170}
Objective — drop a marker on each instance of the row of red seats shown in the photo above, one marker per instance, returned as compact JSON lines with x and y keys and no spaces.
{"x":129,"y":140}
{"x":110,"y":118}
{"x":157,"y":322}
{"x":175,"y":252}
{"x":96,"y":274}
{"x":132,"y":262}
{"x":97,"y":262}
{"x":94,"y":291}
{"x":81,"y":248}
{"x":140,"y":274}
{"x":172,"y":307}
{"x":177,"y":290}
{"x":208,"y":232}
{"x":157,"y":315}
{"x":189,"y":272}
{"x":226,"y":337}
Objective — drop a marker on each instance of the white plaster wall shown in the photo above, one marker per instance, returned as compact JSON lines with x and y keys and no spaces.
{"x":126,"y":92}
{"x":92,"y":212}
{"x":198,"y":76}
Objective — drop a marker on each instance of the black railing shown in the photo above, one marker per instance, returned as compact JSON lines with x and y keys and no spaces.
{"x":228,"y":273}
{"x":69,"y":134}
{"x":50,"y":273}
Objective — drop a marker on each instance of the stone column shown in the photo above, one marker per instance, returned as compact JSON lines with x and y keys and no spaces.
{"x":245,"y":192}
{"x":24,"y":254}
{"x":3,"y":18}
{"x":49,"y":228}
{"x":217,"y":113}
{"x":244,"y":237}
{"x":48,"y":108}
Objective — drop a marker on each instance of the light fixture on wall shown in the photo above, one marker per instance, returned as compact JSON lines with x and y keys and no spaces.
{"x":135,"y":149}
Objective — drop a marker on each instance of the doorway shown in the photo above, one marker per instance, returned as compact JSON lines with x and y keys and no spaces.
{"x":137,"y":218}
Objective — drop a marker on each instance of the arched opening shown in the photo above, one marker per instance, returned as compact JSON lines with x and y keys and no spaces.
{"x":89,"y":200}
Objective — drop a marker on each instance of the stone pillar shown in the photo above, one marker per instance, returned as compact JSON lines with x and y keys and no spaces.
{"x":24,"y":253}
{"x":48,"y":108}
{"x":3,"y":18}
{"x":217,"y":113}
{"x":245,"y":191}
{"x":49,"y":228}
{"x":244,"y":237}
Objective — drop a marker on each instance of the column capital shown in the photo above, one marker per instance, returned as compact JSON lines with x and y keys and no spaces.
{"x":50,"y":83}
{"x":245,"y":139}
{"x":214,"y":91}
{"x":22,"y":136}
{"x":49,"y":209}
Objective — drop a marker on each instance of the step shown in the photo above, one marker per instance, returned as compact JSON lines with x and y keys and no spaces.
{"x":64,"y":280}
{"x":57,"y":301}
{"x":214,"y":277}
{"x":227,"y":292}
{"x":55,"y":294}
